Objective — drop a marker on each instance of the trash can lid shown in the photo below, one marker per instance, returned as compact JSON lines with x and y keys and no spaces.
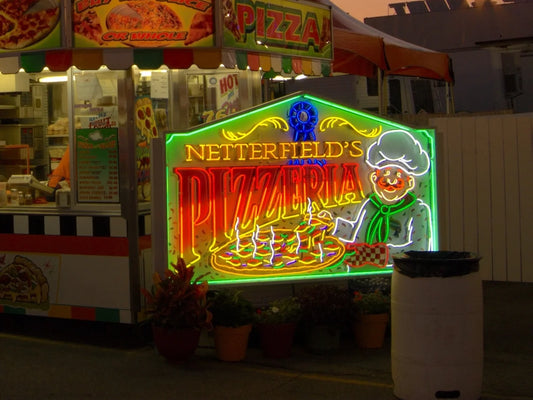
{"x":436,"y":263}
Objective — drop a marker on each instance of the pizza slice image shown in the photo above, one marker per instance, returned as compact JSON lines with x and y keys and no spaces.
{"x":230,"y":18}
{"x":21,"y":26}
{"x":145,"y":119}
{"x":88,"y":24}
{"x":23,"y":281}
{"x":201,"y":26}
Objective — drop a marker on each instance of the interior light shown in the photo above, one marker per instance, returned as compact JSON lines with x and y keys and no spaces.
{"x":51,"y":79}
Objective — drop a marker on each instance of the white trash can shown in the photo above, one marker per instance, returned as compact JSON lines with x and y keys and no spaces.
{"x":436,"y":326}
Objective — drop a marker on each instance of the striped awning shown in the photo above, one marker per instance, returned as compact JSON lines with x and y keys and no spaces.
{"x":120,"y":59}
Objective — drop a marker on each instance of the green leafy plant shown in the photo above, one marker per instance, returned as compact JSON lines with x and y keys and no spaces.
{"x":230,"y":308}
{"x":280,"y":311}
{"x":177,"y":300}
{"x":375,"y":302}
{"x":325,"y":305}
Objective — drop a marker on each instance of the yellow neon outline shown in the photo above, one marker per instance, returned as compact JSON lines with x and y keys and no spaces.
{"x":277,"y":122}
{"x":330,"y":122}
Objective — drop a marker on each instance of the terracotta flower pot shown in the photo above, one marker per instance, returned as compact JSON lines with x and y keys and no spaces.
{"x":176,"y":345}
{"x":231,"y":343}
{"x":276,"y":339}
{"x":369,"y":330}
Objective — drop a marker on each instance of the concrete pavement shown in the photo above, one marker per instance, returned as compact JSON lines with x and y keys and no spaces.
{"x":48,"y":359}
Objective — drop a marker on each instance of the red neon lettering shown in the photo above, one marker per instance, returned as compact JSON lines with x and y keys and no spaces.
{"x":292,"y":192}
{"x":242,"y":182}
{"x":220,"y":199}
{"x":193,"y":206}
{"x":350,"y":187}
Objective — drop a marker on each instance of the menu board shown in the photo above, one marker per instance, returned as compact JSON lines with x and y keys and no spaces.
{"x":147,"y":23}
{"x":97,"y":165}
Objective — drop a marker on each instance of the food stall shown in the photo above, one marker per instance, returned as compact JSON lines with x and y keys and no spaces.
{"x":84,"y":96}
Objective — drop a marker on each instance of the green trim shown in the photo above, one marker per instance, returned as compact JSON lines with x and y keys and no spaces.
{"x":148,"y":58}
{"x":33,"y":62}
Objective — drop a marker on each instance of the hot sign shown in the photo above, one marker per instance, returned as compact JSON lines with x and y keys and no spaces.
{"x":299,"y":188}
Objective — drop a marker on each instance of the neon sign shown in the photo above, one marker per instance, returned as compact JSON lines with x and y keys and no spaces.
{"x":299,"y":188}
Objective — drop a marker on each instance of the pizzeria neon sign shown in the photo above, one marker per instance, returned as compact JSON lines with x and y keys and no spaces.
{"x":291,"y":190}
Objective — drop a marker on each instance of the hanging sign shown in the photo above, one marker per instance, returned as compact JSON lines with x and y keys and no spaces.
{"x":147,"y":23}
{"x":278,"y":26}
{"x":24,"y":27}
{"x":299,"y":188}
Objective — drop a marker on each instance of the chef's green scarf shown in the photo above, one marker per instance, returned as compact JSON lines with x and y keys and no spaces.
{"x":379,"y":226}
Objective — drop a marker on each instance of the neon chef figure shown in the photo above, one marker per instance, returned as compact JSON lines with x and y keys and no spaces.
{"x":392,"y":214}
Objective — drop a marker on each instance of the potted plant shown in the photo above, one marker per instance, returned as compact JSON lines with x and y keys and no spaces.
{"x":325,"y":311}
{"x":277,"y":324}
{"x":371,"y":318}
{"x":233,"y":317}
{"x":178,"y":311}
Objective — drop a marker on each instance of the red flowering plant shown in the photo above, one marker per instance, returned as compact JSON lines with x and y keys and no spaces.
{"x":178,"y":300}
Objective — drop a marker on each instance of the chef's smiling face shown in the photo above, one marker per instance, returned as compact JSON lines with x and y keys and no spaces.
{"x":391,"y":183}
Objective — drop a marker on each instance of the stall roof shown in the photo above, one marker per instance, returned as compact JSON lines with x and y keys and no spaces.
{"x":360,"y":49}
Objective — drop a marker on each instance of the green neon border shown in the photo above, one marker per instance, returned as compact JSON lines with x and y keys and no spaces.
{"x":428,"y":133}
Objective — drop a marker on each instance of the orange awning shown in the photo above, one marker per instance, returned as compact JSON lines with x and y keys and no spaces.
{"x":359,"y":48}
{"x":357,"y":54}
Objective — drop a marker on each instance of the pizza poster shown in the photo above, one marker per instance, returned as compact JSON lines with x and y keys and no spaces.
{"x":26,"y":27}
{"x":29,"y":280}
{"x":299,"y":187}
{"x":97,"y":165}
{"x":142,"y":23}
{"x":278,"y":26}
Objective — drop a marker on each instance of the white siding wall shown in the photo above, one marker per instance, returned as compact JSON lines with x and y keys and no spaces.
{"x":485,"y":184}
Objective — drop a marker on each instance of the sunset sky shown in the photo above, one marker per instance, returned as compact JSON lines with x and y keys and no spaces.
{"x":362,"y":9}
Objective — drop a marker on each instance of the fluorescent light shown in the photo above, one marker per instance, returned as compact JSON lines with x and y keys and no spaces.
{"x":280,"y":78}
{"x":50,"y":79}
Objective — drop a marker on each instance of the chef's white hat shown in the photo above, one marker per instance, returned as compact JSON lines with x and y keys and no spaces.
{"x":398,"y":148}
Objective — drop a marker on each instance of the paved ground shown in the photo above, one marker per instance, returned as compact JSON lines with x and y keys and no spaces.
{"x":49,"y":359}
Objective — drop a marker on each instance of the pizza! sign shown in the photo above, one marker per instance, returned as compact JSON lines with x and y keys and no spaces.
{"x":278,"y":25}
{"x":298,"y":188}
